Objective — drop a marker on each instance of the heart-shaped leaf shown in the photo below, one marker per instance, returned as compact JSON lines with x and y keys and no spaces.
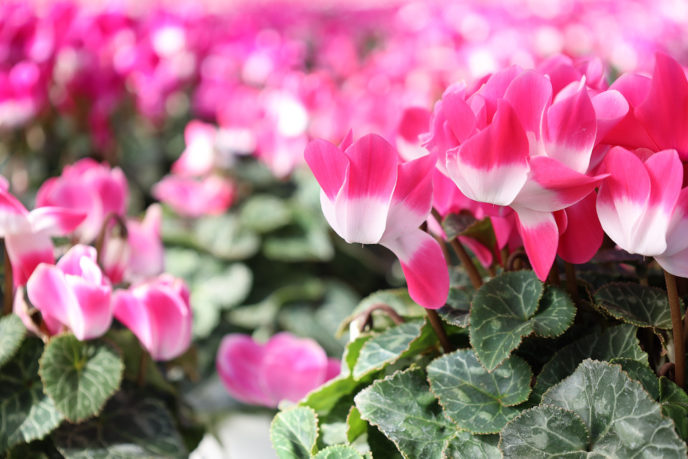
{"x":79,"y":376}
{"x":636,"y":304}
{"x":12,"y":333}
{"x":504,"y":311}
{"x":391,"y":345}
{"x":26,"y":413}
{"x":615,"y":342}
{"x":458,"y":307}
{"x":622,"y":419}
{"x":128,"y":427}
{"x":405,"y":410}
{"x":474,"y":399}
{"x":545,"y":432}
{"x":674,"y":403}
{"x":293,"y":433}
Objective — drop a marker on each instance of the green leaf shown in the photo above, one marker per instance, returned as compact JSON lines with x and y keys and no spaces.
{"x":355,"y":426}
{"x":293,"y":433}
{"x":12,"y":333}
{"x":127,"y":428}
{"x":455,"y":224}
{"x":674,"y":403}
{"x":501,"y":313}
{"x":391,"y":345}
{"x":26,"y":413}
{"x":478,"y":401}
{"x":457,"y":310}
{"x":264,"y":213}
{"x":338,"y":452}
{"x":545,"y":432}
{"x":79,"y":376}
{"x":405,"y":410}
{"x":641,"y":373}
{"x":622,"y":419}
{"x":555,"y":313}
{"x":466,"y":445}
{"x":636,"y":304}
{"x":615,"y":342}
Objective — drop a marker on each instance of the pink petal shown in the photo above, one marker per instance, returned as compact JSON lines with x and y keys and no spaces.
{"x":623,"y":196}
{"x":291,"y":367}
{"x":675,"y":257}
{"x":363,"y":202}
{"x":540,"y":238}
{"x":91,"y":316}
{"x":13,"y":215}
{"x":329,"y":164}
{"x":170,"y":322}
{"x":49,"y":292}
{"x":130,"y":310}
{"x":146,"y":252}
{"x":334,"y":367}
{"x":610,"y":108}
{"x":424,"y":267}
{"x":414,"y":122}
{"x":665,"y":111}
{"x":571,"y":130}
{"x":412,"y":196}
{"x":583,"y":236}
{"x":529,"y":94}
{"x":26,"y":251}
{"x":55,"y":220}
{"x":629,"y":132}
{"x":492,"y":166}
{"x":553,"y":186}
{"x":238,"y":364}
{"x":71,"y":262}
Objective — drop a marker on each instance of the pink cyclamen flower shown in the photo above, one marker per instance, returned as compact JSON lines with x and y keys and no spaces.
{"x":636,"y":202}
{"x":158,"y":313}
{"x":74,"y":293}
{"x":138,"y":256}
{"x":369,"y":197}
{"x":284,"y":368}
{"x":189,"y":197}
{"x":28,"y":234}
{"x":90,"y":187}
{"x":510,"y":143}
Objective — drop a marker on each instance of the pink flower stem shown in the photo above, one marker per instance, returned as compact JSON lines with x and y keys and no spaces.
{"x":8,"y":291}
{"x":677,"y":330}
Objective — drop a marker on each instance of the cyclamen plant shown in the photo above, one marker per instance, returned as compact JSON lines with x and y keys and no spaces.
{"x":518,"y":366}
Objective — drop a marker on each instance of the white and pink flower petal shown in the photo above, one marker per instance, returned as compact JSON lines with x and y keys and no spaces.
{"x":492,"y":166}
{"x":424,"y":266}
{"x":328,"y":164}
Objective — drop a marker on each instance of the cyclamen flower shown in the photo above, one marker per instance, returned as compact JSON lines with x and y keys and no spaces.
{"x":190,"y":197}
{"x":74,"y":294}
{"x":369,"y":197}
{"x":89,"y":187}
{"x":198,"y":158}
{"x":642,"y":207}
{"x":158,"y":313}
{"x":284,"y":368}
{"x":510,"y":144}
{"x":28,"y":234}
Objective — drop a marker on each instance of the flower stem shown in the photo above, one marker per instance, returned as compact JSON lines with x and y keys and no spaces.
{"x":436,"y":323}
{"x":143,"y":363}
{"x":8,"y":291}
{"x":677,"y":329}
{"x":473,"y":274}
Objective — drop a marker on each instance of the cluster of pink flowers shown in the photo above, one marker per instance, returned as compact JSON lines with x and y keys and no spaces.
{"x":80,"y":292}
{"x":552,"y":156}
{"x":272,"y":78}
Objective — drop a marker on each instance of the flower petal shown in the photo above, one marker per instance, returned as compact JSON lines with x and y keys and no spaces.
{"x":238,"y":364}
{"x":540,"y":236}
{"x":55,"y":220}
{"x":424,"y":267}
{"x":583,"y":235}
{"x":492,"y":166}
{"x":529,"y":94}
{"x":329,"y":164}
{"x":26,"y":251}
